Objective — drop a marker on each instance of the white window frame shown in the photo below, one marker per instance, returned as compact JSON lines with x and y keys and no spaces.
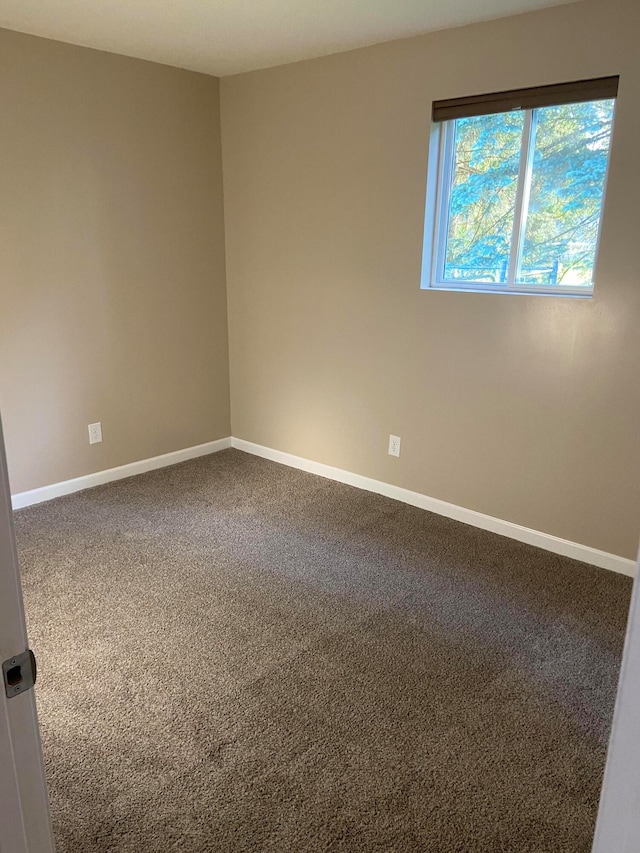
{"x":439,"y":177}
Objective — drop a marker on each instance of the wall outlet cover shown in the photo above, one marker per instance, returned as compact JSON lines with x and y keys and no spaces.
{"x":394,"y":445}
{"x":95,"y":433}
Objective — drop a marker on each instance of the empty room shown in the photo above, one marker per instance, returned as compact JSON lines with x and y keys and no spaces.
{"x":320,"y":398}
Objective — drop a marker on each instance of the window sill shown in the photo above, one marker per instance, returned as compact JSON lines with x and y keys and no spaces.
{"x":574,"y":293}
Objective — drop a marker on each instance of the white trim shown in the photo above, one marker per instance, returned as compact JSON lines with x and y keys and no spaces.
{"x":618,"y":826}
{"x":523,"y":195}
{"x":432,"y":205}
{"x":25,"y":822}
{"x":564,"y":547}
{"x":578,"y":291}
{"x":443,"y":197}
{"x":56,"y":490}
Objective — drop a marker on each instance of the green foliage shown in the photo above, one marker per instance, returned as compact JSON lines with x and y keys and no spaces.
{"x":571,"y":145}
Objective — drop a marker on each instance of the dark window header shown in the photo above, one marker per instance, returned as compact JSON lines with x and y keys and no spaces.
{"x":526,"y":99}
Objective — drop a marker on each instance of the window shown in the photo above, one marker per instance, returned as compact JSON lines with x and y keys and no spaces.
{"x":515,"y":189}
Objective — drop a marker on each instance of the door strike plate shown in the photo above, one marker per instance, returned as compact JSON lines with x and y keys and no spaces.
{"x":19,"y":673}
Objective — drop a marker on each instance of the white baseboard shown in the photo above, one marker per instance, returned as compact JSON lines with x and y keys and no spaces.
{"x":564,"y":547}
{"x":56,"y":490}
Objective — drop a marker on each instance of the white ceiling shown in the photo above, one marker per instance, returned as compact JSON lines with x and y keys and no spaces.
{"x":223,"y":37}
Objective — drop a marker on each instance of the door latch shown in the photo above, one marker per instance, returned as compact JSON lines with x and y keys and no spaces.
{"x":19,"y":673}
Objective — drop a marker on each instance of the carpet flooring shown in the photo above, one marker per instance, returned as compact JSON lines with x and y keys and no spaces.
{"x":238,"y":656}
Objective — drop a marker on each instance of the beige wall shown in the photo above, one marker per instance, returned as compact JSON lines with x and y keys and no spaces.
{"x":112,"y":279}
{"x":525,"y":408}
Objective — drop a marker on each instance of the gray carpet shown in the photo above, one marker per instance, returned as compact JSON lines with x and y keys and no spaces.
{"x":237,"y":656}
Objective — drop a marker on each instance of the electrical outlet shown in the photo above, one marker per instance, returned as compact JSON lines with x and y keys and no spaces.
{"x":95,"y":433}
{"x":394,"y":445}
